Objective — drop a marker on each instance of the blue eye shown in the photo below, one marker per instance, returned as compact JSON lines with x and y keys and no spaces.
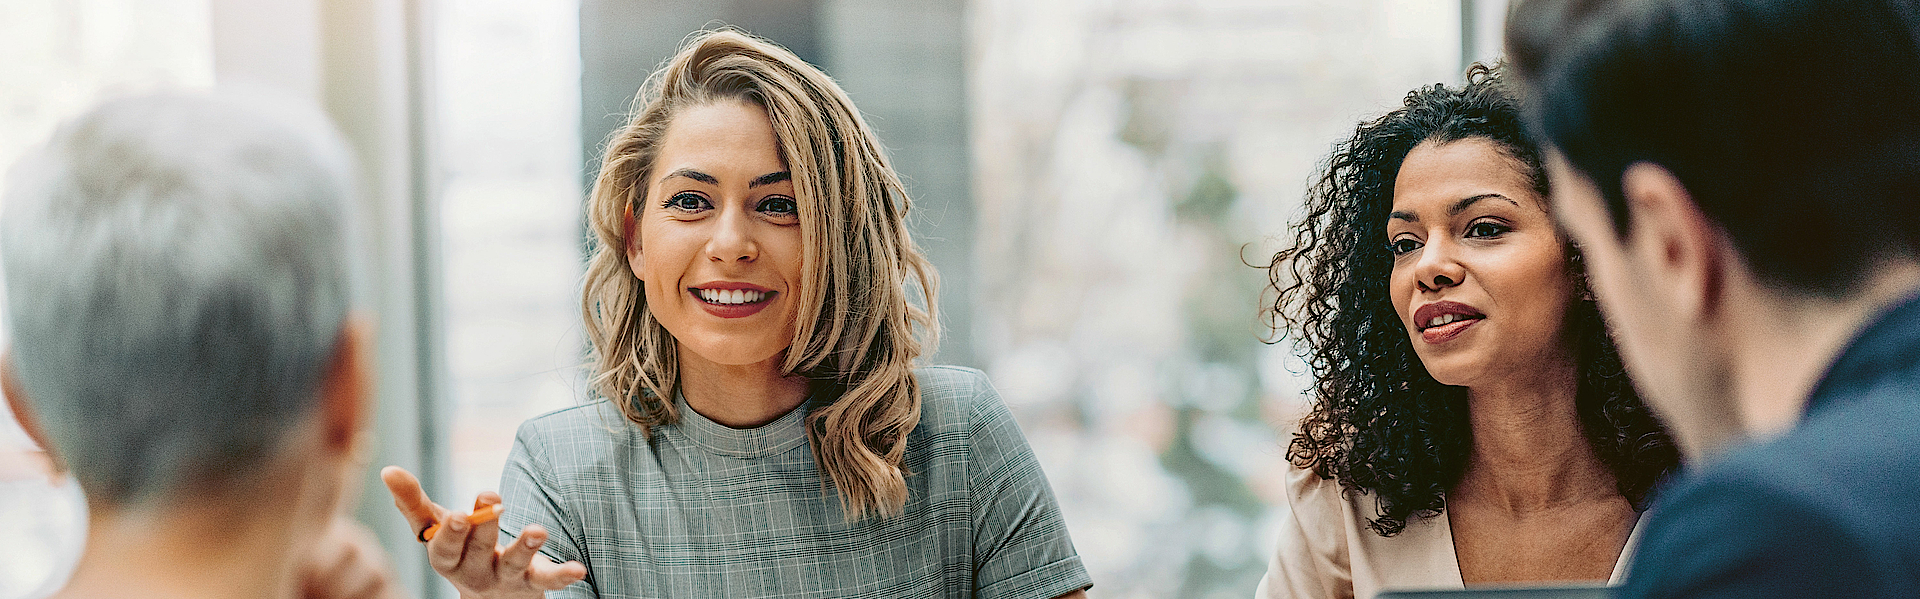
{"x":690,"y":202}
{"x":1487,"y":229}
{"x":1401,"y":246}
{"x":778,"y":205}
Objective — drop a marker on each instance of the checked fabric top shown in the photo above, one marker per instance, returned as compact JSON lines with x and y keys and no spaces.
{"x":703,"y":510}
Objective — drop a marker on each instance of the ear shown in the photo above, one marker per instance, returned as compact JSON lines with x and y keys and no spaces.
{"x":346,"y":391}
{"x":23,"y":411}
{"x":631,"y":228}
{"x":1675,"y":240}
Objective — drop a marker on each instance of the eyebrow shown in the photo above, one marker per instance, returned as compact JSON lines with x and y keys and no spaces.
{"x":1455,"y":209}
{"x":692,"y":174}
{"x":770,"y":178}
{"x":766,"y":179}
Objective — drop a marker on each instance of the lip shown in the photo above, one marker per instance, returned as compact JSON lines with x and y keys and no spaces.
{"x":1445,"y":332}
{"x":731,"y":310}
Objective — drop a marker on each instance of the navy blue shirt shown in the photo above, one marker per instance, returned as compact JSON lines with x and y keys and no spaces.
{"x":1828,"y":509}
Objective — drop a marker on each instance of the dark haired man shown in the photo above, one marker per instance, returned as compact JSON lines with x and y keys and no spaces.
{"x":1743,"y":177}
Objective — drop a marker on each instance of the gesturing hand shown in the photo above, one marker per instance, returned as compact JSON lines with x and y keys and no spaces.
{"x":467,"y":555}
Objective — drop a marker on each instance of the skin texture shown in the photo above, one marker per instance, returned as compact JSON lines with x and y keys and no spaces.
{"x":1720,"y":354}
{"x":1534,"y":502}
{"x":284,"y":540}
{"x":470,"y":556}
{"x":1499,"y":254}
{"x":690,"y":232}
{"x":348,"y":564}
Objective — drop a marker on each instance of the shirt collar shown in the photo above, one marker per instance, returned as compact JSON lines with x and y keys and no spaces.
{"x":783,"y":434}
{"x":1890,"y":345}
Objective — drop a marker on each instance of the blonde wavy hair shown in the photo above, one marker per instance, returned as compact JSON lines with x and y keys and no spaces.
{"x":860,"y":331}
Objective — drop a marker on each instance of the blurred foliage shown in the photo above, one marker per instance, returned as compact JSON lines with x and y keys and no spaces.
{"x":1217,"y":311}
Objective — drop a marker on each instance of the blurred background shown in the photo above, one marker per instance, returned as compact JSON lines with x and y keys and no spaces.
{"x":1091,"y":177}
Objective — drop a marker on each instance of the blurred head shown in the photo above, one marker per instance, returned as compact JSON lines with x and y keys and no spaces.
{"x":746,"y":214}
{"x":1778,"y":138}
{"x":1428,"y":264}
{"x":177,"y":287}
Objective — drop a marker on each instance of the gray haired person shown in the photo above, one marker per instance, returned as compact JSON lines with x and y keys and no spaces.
{"x":179,"y":290}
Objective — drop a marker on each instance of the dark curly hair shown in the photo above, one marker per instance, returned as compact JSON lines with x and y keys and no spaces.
{"x":1380,"y":423}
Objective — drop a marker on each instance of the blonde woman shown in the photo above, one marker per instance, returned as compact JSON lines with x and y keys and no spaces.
{"x":760,"y":430}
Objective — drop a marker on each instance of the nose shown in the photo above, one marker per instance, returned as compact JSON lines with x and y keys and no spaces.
{"x":1437,"y":268}
{"x":732,"y":239}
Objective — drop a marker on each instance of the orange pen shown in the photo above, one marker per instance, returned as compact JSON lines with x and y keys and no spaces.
{"x":478,"y":517}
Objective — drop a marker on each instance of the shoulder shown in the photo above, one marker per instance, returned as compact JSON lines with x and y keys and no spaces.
{"x":963,"y":418}
{"x":1322,"y":511}
{"x":1311,"y":555}
{"x":1831,"y":498}
{"x":595,"y":427}
{"x":1858,"y":459}
{"x":958,"y":396}
{"x":590,"y":415}
{"x":1317,"y":500}
{"x":951,"y":383}
{"x":1315,"y":497}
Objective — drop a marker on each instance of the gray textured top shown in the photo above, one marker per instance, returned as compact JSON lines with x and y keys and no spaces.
{"x":703,"y":510}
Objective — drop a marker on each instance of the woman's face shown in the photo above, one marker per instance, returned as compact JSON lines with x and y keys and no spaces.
{"x":1479,"y":271}
{"x":716,"y":243}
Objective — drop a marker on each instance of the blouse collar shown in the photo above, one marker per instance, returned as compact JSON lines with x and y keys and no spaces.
{"x":783,"y":434}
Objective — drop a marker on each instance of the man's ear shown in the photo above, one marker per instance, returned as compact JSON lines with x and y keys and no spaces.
{"x":1675,"y":240}
{"x":23,"y":411}
{"x":346,"y":391}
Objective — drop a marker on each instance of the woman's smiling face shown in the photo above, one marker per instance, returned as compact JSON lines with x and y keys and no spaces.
{"x":716,"y":242}
{"x":1479,"y":272}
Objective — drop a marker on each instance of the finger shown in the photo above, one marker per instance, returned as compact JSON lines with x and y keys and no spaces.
{"x":548,"y":576}
{"x":448,"y":549}
{"x":348,"y":564}
{"x":481,"y":539}
{"x":411,"y":500}
{"x":485,"y":498}
{"x":519,"y":555}
{"x":361,"y":581}
{"x":330,"y":555}
{"x":369,"y":577}
{"x":339,"y":559}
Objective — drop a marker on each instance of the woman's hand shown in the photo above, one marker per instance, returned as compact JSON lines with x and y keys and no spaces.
{"x":466,"y":554}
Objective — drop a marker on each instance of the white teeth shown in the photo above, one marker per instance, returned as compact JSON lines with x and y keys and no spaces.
{"x":1446,"y":319}
{"x":732,"y":296}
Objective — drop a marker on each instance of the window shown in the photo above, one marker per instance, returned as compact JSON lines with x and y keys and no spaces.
{"x":1128,"y":156}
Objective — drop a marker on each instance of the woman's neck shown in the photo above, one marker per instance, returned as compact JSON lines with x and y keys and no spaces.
{"x":740,"y":396}
{"x":194,"y":552}
{"x":1530,"y":451}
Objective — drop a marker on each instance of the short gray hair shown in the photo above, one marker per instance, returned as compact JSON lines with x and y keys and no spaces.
{"x":177,"y":278}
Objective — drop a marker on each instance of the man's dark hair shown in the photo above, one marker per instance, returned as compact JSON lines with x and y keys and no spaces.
{"x":1794,"y":124}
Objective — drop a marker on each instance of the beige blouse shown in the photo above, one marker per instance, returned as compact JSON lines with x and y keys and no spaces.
{"x":1326,"y":550}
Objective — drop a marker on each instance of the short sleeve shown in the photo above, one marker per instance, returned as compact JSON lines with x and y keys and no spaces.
{"x":1729,"y":537}
{"x":1020,"y":545}
{"x":530,"y":496}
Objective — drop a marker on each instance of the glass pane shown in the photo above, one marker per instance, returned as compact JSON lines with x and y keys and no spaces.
{"x":1129,"y":156}
{"x":508,"y":119}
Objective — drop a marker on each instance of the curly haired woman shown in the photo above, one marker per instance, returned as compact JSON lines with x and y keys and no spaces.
{"x":1470,"y":422}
